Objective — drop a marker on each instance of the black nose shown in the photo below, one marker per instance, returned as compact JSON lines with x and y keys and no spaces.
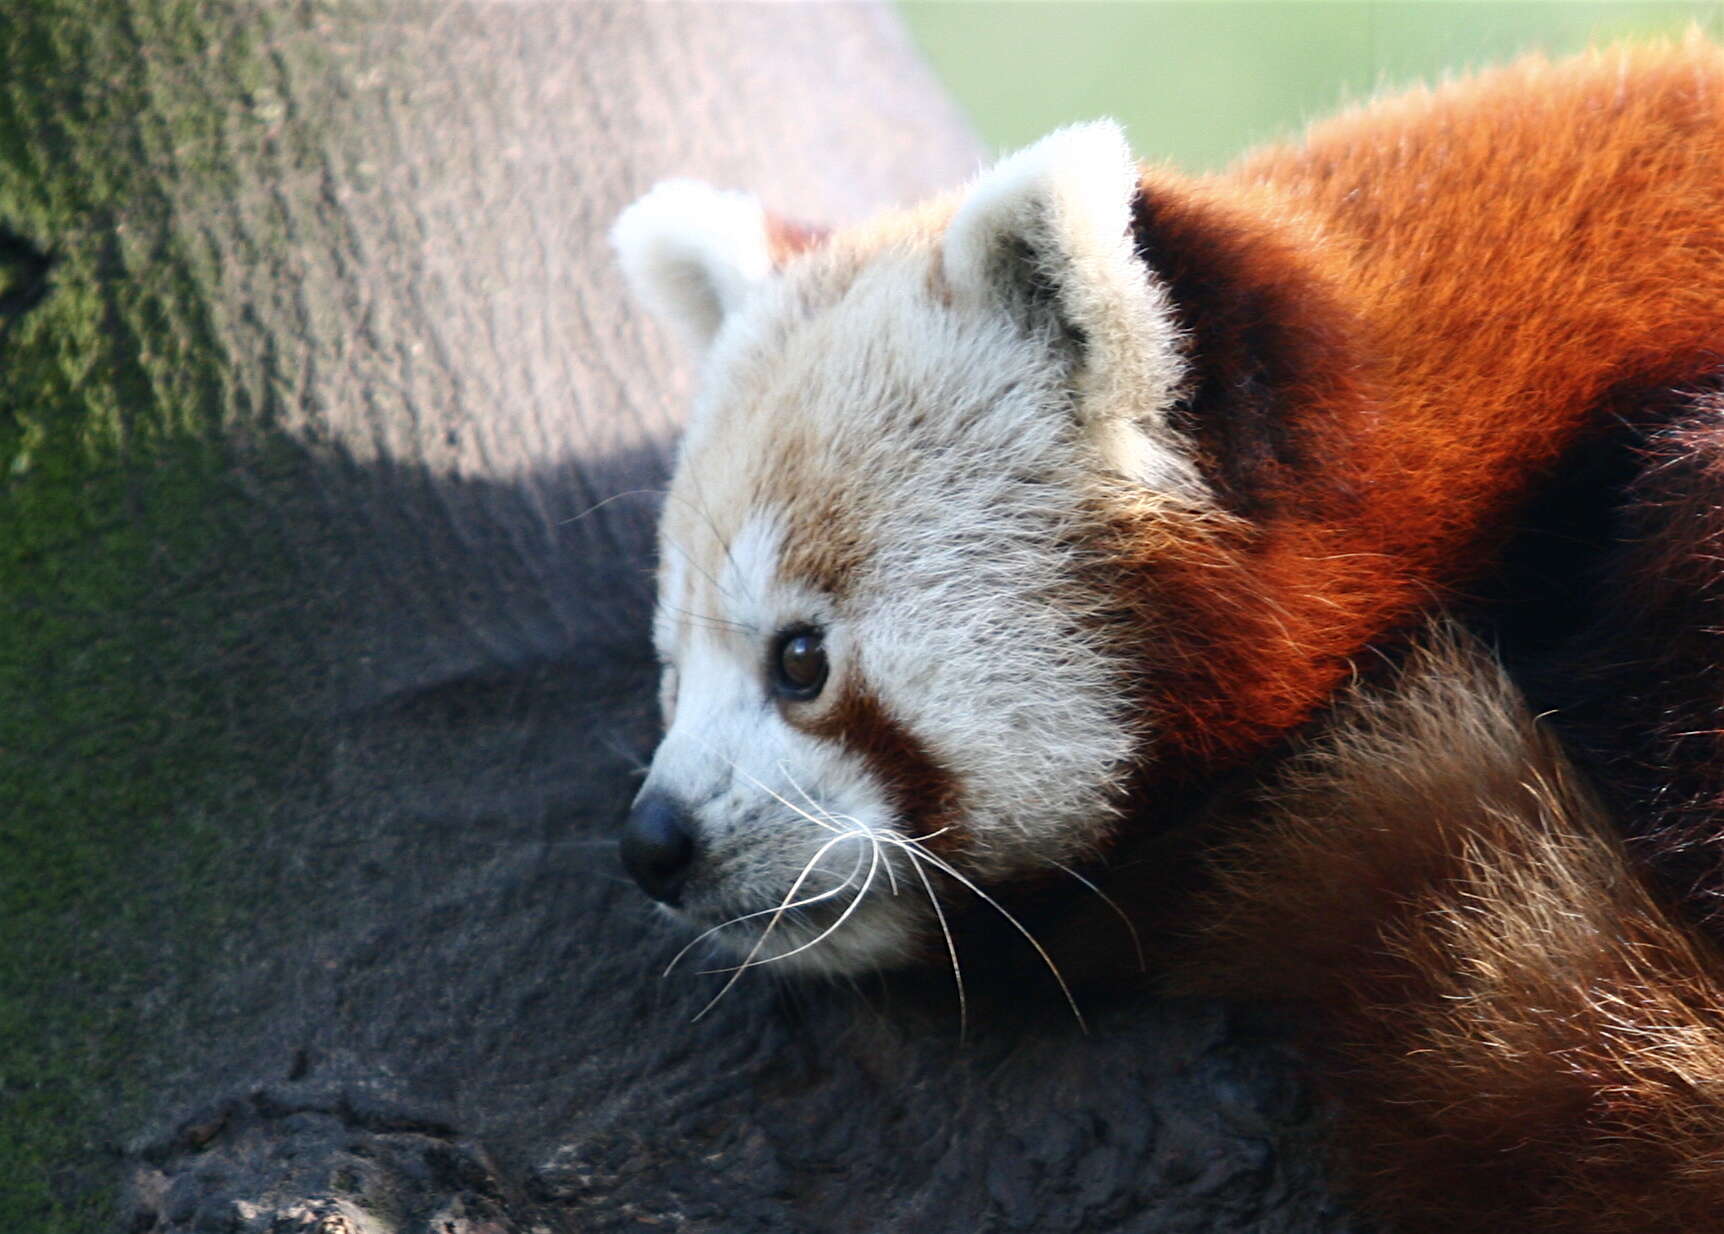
{"x":658,"y":846}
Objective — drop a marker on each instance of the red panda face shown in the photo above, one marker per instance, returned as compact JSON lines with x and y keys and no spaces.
{"x":889,"y":674}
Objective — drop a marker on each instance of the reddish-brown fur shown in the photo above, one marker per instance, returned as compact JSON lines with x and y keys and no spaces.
{"x":1519,"y":1037}
{"x":1437,"y":322}
{"x":1436,"y":294}
{"x":923,"y":792}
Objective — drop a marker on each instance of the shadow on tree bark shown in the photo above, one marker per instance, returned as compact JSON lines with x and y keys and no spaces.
{"x":328,"y":459}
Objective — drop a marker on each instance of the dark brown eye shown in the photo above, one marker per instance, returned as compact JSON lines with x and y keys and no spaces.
{"x":799,"y":664}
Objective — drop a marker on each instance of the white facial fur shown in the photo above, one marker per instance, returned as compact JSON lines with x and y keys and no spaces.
{"x":783,"y":818}
{"x":906,"y":440}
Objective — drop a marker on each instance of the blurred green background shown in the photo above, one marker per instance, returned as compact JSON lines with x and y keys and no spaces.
{"x":1198,"y":81}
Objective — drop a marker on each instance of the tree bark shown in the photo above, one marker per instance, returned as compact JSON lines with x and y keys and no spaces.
{"x":329,"y":452}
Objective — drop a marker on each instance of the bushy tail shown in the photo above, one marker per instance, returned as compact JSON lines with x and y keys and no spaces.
{"x":1517,"y":1036}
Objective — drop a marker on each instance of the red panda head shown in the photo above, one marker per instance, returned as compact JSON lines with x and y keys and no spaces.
{"x":896,"y":659}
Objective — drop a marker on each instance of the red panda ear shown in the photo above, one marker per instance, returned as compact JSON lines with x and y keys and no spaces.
{"x":1050,"y":229}
{"x":693,"y":254}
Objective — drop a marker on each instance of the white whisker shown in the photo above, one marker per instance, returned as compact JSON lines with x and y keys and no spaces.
{"x":700,"y":508}
{"x":777,"y":916}
{"x":951,"y":950}
{"x":694,"y":942}
{"x":1136,"y":942}
{"x":917,"y":853}
{"x":826,"y":821}
{"x":638,"y":767}
{"x":693,"y":561}
{"x":856,"y":823}
{"x":855,"y":902}
{"x":600,"y":505}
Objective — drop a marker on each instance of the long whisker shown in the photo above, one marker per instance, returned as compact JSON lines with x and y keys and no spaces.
{"x":637,"y":766}
{"x":708,"y":622}
{"x":694,"y":942}
{"x":776,"y":913}
{"x":917,"y":853}
{"x":1136,"y":942}
{"x":699,"y":569}
{"x":855,"y":902}
{"x":849,"y":880}
{"x":813,"y":805}
{"x":951,"y":950}
{"x":842,"y":827}
{"x":600,"y":505}
{"x":712,"y":525}
{"x":777,"y":916}
{"x":826,"y":819}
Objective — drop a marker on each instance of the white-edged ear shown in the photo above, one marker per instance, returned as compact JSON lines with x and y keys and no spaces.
{"x":1072,"y":189}
{"x":693,"y":254}
{"x":1053,"y":223}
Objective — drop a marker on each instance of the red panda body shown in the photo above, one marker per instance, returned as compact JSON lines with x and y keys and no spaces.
{"x":1522,"y":312}
{"x":1008,"y":529}
{"x":1444,"y":297}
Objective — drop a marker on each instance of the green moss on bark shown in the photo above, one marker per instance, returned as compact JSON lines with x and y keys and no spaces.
{"x":135,"y":582}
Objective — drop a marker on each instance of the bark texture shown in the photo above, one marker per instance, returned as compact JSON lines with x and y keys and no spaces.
{"x":324,"y":675}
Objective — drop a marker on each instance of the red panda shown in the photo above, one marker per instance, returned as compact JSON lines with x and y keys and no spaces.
{"x":1382,"y":475}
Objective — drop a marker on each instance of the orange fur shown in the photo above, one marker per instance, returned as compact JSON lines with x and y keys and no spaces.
{"x":1481,"y":265}
{"x":1443,"y":301}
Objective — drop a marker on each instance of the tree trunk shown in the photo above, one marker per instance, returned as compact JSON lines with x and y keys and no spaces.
{"x":329,"y":450}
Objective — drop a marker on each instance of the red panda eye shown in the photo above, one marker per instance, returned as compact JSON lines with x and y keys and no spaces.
{"x":799,"y":664}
